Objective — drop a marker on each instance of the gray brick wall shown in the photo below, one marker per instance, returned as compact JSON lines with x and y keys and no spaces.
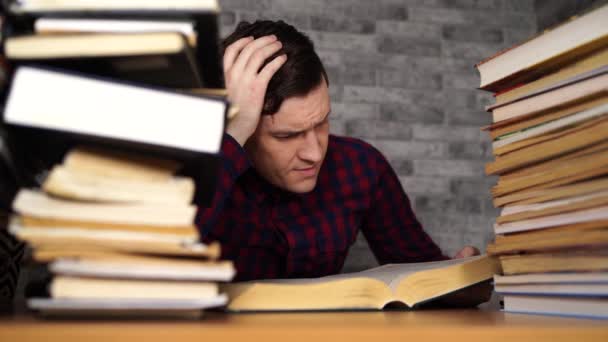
{"x":402,"y":78}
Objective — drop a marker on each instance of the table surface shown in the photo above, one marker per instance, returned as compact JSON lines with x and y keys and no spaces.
{"x":418,"y":326}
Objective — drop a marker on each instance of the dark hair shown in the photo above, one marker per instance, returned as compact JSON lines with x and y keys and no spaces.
{"x":301,"y":73}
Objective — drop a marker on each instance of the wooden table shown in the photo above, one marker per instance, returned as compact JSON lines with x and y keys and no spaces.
{"x":416,"y":326}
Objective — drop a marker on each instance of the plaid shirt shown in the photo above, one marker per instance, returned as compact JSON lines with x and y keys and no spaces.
{"x":271,"y":233}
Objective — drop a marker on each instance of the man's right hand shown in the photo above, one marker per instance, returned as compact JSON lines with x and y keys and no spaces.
{"x":246,"y":83}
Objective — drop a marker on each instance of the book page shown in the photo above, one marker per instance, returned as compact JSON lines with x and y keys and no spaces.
{"x":390,"y":274}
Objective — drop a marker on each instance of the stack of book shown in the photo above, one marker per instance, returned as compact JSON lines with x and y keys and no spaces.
{"x":118,"y":234}
{"x":550,"y":142}
{"x":114,"y":218}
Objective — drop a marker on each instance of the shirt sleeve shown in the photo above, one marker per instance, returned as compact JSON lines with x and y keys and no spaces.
{"x":234,"y":163}
{"x":391,"y":227}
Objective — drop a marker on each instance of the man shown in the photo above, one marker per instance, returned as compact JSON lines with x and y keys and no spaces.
{"x":292,"y":198}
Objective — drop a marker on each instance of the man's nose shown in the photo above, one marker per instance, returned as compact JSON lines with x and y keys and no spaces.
{"x":311,"y":150}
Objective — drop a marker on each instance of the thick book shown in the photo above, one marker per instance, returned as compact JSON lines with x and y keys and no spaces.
{"x":86,"y":187}
{"x":115,"y":241}
{"x":590,"y":284}
{"x":504,"y":128}
{"x":408,"y":284}
{"x":37,"y":204}
{"x":578,"y":67}
{"x":557,"y":305}
{"x":586,"y":215}
{"x":143,"y":267}
{"x":561,"y":171}
{"x":562,"y":143}
{"x":131,"y":308}
{"x":187,"y":231}
{"x":89,"y":287}
{"x":546,"y":52}
{"x":600,"y":70}
{"x":512,"y":213}
{"x":71,"y":110}
{"x":47,"y":25}
{"x":579,"y":260}
{"x":591,"y":234}
{"x":554,"y":99}
{"x":115,"y":164}
{"x":543,"y":195}
{"x":163,"y":59}
{"x":45,"y":6}
{"x":525,"y":137}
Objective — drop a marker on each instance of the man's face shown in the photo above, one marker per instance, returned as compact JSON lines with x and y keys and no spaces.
{"x":288,"y":147}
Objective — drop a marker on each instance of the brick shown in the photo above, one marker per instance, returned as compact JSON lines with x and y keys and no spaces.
{"x":409,"y":79}
{"x":347,"y":25}
{"x":330,"y":57}
{"x":467,"y":98}
{"x":393,"y":130}
{"x":257,"y":5}
{"x":334,"y":73}
{"x":469,"y":150}
{"x":461,"y":98}
{"x":472,"y":51}
{"x":411,"y":97}
{"x":472,"y":33}
{"x":438,"y":15}
{"x":446,"y":133}
{"x":464,"y":116}
{"x":408,"y":46}
{"x":342,"y":41}
{"x":336,"y":92}
{"x":409,"y":29}
{"x":399,"y":149}
{"x":461,"y":80}
{"x":526,"y":6}
{"x":411,"y":113}
{"x":227,"y":18}
{"x":515,"y":36}
{"x":467,"y":186}
{"x":488,"y":207}
{"x":446,"y":204}
{"x":298,"y":20}
{"x":360,"y":128}
{"x":463,"y":4}
{"x":446,"y":167}
{"x":394,"y":10}
{"x":402,"y":167}
{"x":358,"y":76}
{"x":337,"y":127}
{"x":425,"y":185}
{"x":345,"y":110}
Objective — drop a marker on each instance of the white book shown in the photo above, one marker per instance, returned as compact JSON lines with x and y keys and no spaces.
{"x":190,"y":270}
{"x":37,"y":204}
{"x":553,"y":125}
{"x":26,"y":6}
{"x":115,"y":111}
{"x":600,"y":213}
{"x":557,"y":305}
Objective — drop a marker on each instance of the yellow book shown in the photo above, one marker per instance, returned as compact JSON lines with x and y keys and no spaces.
{"x":582,"y":261}
{"x":408,"y":284}
{"x":98,"y":288}
{"x":67,"y":183}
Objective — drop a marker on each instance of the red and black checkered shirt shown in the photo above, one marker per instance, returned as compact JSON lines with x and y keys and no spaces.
{"x":271,"y":233}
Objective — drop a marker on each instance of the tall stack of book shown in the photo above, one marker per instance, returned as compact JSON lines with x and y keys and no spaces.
{"x":124,"y":78}
{"x":118,"y":234}
{"x":550,"y":142}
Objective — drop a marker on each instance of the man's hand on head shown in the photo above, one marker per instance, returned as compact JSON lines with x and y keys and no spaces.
{"x":466,"y":251}
{"x":246,"y":83}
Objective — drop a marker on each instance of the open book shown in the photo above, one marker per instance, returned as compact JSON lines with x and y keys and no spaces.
{"x":410,"y":284}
